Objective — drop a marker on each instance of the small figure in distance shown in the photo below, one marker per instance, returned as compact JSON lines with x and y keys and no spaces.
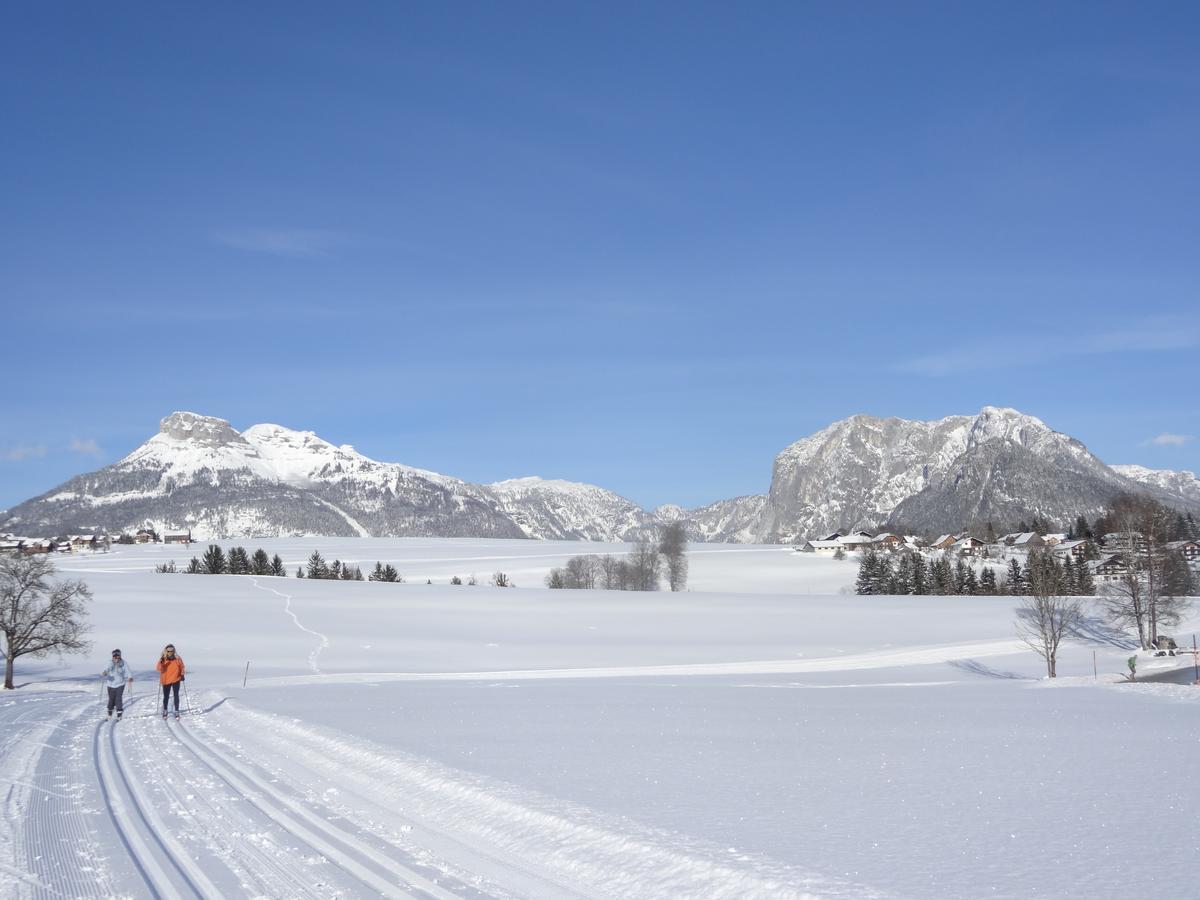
{"x":170,"y":675}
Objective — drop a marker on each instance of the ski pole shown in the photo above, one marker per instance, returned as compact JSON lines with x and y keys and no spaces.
{"x":187,"y":698}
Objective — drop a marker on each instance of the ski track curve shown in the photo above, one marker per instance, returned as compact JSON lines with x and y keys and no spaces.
{"x":287,"y":608}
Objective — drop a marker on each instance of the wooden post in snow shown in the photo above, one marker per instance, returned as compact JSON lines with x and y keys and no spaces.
{"x":247,"y":673}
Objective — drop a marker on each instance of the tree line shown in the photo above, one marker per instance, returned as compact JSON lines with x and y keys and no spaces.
{"x":642,"y":570}
{"x":910,"y":574}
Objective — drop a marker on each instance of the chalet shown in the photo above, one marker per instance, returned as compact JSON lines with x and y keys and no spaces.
{"x":1109,"y":568}
{"x":1074,"y":549}
{"x":144,"y":537}
{"x":177,"y":537}
{"x":1053,"y":540}
{"x":42,"y":545}
{"x":1116,"y":541}
{"x":83,"y":542}
{"x":1023,"y":540}
{"x":1189,"y":549}
{"x":888,"y":541}
{"x":832,"y":537}
{"x":855,"y":541}
{"x":8,"y":545}
{"x":944,"y":542}
{"x":967,"y":545}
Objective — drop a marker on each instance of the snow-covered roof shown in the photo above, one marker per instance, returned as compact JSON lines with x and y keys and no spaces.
{"x":823,"y":545}
{"x":1069,"y":545}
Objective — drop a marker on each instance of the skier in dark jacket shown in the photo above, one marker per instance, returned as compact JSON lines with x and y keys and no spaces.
{"x":116,"y":675}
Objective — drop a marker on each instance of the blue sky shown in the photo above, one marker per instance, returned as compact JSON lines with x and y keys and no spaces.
{"x":641,"y":245}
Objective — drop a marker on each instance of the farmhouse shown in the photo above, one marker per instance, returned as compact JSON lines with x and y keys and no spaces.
{"x":177,"y":537}
{"x":1023,"y":540}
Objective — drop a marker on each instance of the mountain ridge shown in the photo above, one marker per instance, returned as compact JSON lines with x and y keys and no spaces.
{"x":863,"y":471}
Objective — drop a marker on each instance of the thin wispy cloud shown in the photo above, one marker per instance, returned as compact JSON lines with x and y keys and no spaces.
{"x":1166,"y":439}
{"x":16,"y":454}
{"x":85,"y":446}
{"x":1162,"y":335}
{"x":298,"y":243}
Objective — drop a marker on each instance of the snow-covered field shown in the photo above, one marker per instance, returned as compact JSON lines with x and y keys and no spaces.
{"x":767,"y":734}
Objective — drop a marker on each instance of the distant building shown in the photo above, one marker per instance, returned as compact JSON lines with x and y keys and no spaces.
{"x":1023,"y":540}
{"x":177,"y":537}
{"x":1124,"y":541}
{"x":944,"y":542}
{"x":1075,"y":549}
{"x":967,"y":545}
{"x":1109,"y":568}
{"x":1189,"y":549}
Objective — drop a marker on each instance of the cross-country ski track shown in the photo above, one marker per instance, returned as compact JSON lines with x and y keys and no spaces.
{"x":234,"y":802}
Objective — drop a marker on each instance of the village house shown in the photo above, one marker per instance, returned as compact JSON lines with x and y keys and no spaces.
{"x":1074,"y":549}
{"x":1109,"y":568}
{"x":823,"y":546}
{"x":41,"y":545}
{"x":1117,"y":541}
{"x":967,"y":545}
{"x":1053,"y":540}
{"x":82,"y":542}
{"x":944,"y":542}
{"x":1023,"y":540}
{"x":177,"y":537}
{"x":1189,"y":549}
{"x":888,"y":541}
{"x":144,"y":537}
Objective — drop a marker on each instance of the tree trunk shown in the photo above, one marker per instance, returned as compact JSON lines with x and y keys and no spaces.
{"x":8,"y":671}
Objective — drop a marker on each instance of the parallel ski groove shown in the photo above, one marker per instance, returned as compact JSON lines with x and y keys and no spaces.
{"x":285,"y":812}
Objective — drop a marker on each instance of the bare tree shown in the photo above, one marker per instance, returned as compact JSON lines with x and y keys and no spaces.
{"x":39,"y":616}
{"x":1043,"y":619}
{"x":645,"y":566}
{"x":500,"y":579}
{"x":581,"y":572}
{"x":1124,"y":603}
{"x":673,"y":545}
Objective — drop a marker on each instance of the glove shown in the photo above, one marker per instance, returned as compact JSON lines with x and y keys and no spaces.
{"x":181,"y":678}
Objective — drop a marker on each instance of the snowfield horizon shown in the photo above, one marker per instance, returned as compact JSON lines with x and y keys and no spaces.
{"x":766,"y":734}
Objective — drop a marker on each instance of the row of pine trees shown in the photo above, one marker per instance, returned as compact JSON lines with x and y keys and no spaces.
{"x":910,"y":573}
{"x":215,"y":561}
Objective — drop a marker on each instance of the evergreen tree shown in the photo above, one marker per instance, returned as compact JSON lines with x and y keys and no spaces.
{"x":1083,"y":580}
{"x":960,"y":576}
{"x":213,"y":562}
{"x":1179,"y":528}
{"x":316,"y":566}
{"x":277,"y":568}
{"x":239,"y":561}
{"x":1016,"y":579}
{"x":902,"y":582}
{"x":335,"y":570}
{"x":1081,"y":531}
{"x":260,"y":563}
{"x":1193,"y":528}
{"x":868,"y":569}
{"x":299,"y":571}
{"x":987,"y":581}
{"x":193,"y":567}
{"x":376,"y":573}
{"x":1070,"y":583}
{"x":990,"y":534}
{"x":1177,"y":578}
{"x":944,"y":577}
{"x":920,"y":576}
{"x":348,"y":573}
{"x":971,"y":582}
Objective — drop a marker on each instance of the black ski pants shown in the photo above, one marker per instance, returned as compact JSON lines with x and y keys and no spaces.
{"x":116,"y":697}
{"x":167,"y":689}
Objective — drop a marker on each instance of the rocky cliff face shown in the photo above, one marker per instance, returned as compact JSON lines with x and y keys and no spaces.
{"x":1000,"y":465}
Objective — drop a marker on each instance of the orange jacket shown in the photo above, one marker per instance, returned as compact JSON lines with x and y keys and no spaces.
{"x":170,"y":670}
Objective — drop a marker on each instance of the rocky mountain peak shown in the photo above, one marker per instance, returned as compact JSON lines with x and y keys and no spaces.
{"x":189,"y":426}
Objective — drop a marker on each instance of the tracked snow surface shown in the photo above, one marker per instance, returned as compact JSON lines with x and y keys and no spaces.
{"x":766,"y":735}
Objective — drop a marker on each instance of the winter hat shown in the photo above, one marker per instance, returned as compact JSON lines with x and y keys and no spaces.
{"x":116,"y":653}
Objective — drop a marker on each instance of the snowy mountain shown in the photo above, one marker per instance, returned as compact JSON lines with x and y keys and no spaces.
{"x":1183,"y":485}
{"x":1000,"y":465}
{"x":567,"y":510}
{"x":200,"y":473}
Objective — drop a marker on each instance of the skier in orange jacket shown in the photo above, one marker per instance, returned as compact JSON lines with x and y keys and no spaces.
{"x":170,"y":674}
